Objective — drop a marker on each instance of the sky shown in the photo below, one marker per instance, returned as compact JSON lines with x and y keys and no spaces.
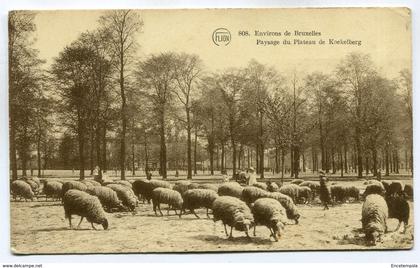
{"x":384,"y":33}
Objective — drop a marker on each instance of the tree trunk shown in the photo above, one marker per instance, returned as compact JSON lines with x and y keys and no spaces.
{"x":162,"y":146}
{"x":91,"y":151}
{"x":103,"y":139}
{"x":277,"y":160}
{"x":189,"y":166}
{"x":80,"y":134}
{"x":345,"y":158}
{"x":195,"y":150}
{"x":296,"y":156}
{"x":387,"y":160}
{"x":146,"y":157}
{"x":38,"y":154}
{"x":341,"y":163}
{"x":222,"y":162}
{"x":233,"y":143}
{"x":303,"y":162}
{"x":375,"y":161}
{"x":292,"y":166}
{"x":282,"y":165}
{"x":133,"y":156}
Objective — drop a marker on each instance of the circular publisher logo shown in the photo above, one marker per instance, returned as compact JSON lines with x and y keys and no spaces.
{"x":221,"y":37}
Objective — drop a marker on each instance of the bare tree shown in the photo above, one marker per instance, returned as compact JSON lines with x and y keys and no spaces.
{"x":187,"y":71}
{"x":121,"y":27}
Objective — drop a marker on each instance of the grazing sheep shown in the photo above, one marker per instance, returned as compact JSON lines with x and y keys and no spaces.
{"x":95,"y":183}
{"x":198,"y":198}
{"x":374,"y":189}
{"x":287,"y":202}
{"x":375,"y":182}
{"x":209,"y":186}
{"x":123,"y":182}
{"x":352,"y":192}
{"x":233,"y":212}
{"x":260,"y":185}
{"x":230,"y":189}
{"x":193,"y":185}
{"x":87,"y":183}
{"x":395,"y":188}
{"x":304,"y":194}
{"x":408,"y":191}
{"x":291,"y":190}
{"x":324,"y":192}
{"x":166,"y":196}
{"x":338,"y":193}
{"x":146,"y":187}
{"x":52,"y":189}
{"x":73,"y":185}
{"x":86,"y":206}
{"x":272,"y":186}
{"x":270,"y":213}
{"x":386,"y":185}
{"x":314,"y":187}
{"x":140,"y":188}
{"x":22,"y":189}
{"x":181,"y":186}
{"x":374,"y":215}
{"x":34,"y":185}
{"x":126,"y":195}
{"x":107,"y":197}
{"x":297,"y":181}
{"x":251,"y":193}
{"x":398,"y":208}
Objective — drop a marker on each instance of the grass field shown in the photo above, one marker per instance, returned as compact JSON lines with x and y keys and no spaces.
{"x":40,"y":227}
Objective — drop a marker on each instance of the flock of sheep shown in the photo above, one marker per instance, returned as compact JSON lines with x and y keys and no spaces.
{"x":239,"y":207}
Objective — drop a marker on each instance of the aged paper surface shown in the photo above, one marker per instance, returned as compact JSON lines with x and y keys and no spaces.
{"x":302,"y":116}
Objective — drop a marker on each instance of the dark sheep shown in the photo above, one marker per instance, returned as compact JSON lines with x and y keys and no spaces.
{"x":198,"y":198}
{"x":260,"y":185}
{"x":270,"y":213}
{"x":408,"y":191}
{"x":374,"y":189}
{"x":107,"y":197}
{"x":140,"y":188}
{"x":374,"y":215}
{"x":166,"y":196}
{"x":22,"y":189}
{"x":287,"y":202}
{"x":126,"y":195}
{"x":146,"y":187}
{"x":251,"y":193}
{"x":398,"y":208}
{"x":86,"y":206}
{"x":234,"y":213}
{"x":209,"y":186}
{"x":395,"y":188}
{"x":292,"y":190}
{"x":73,"y":185}
{"x":233,"y":189}
{"x":52,"y":189}
{"x":386,"y":185}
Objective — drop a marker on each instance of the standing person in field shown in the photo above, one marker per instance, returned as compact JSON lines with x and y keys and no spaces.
{"x":96,"y":176}
{"x":325,"y":190}
{"x":252,"y":177}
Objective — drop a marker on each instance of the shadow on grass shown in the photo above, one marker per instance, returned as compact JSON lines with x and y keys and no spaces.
{"x":217,"y":240}
{"x":47,"y":205}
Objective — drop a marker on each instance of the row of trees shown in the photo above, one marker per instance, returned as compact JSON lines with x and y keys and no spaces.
{"x":114,"y":106}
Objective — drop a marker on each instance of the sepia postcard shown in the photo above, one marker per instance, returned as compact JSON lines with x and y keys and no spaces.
{"x":210,"y":130}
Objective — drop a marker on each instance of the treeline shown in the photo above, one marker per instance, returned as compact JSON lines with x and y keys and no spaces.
{"x":119,"y":111}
